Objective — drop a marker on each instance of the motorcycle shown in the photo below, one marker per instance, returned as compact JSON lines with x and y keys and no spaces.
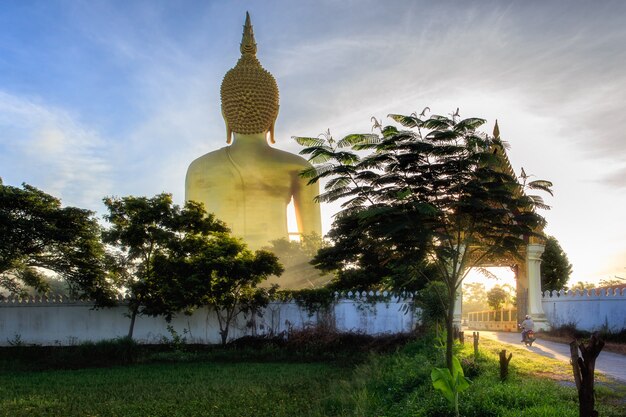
{"x":529,"y":337}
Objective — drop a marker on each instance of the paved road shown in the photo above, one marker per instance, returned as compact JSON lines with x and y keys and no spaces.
{"x":609,"y":363}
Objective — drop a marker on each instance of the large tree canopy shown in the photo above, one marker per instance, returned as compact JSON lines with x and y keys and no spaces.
{"x":38,"y":237}
{"x":214,"y":270}
{"x":439,"y":188}
{"x":555,"y":267}
{"x":172,"y":259}
{"x":145,"y":232}
{"x":497,"y":297}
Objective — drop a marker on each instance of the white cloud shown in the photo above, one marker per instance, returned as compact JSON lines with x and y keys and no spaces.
{"x":48,"y":148}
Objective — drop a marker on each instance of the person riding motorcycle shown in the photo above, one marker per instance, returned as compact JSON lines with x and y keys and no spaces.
{"x":527,"y":326}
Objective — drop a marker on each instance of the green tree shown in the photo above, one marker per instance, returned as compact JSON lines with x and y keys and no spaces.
{"x":214,"y":270}
{"x":497,"y":297}
{"x":234,"y":282}
{"x":296,"y":256}
{"x":433,"y":302}
{"x":474,"y":297}
{"x":40,"y":240}
{"x":555,"y":267}
{"x":441,"y":187}
{"x":581,"y":286}
{"x":366,"y":258}
{"x":145,"y":232}
{"x":610,"y":282}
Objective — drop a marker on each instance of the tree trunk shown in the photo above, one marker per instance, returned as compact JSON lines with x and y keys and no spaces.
{"x":504,"y":364}
{"x":584,"y":369}
{"x":224,"y":335}
{"x":223,"y":323}
{"x":133,"y":316}
{"x":450,"y":331}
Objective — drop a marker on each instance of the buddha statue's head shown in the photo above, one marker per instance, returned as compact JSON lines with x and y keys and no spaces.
{"x":249,"y":93}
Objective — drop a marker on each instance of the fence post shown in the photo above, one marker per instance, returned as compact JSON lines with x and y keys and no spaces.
{"x":476,"y":336}
{"x":504,"y":364}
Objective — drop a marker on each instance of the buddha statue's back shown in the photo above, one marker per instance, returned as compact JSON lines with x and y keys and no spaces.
{"x":249,"y":184}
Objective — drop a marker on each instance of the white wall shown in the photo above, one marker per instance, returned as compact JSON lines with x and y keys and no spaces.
{"x":61,"y":321}
{"x":589,"y":310}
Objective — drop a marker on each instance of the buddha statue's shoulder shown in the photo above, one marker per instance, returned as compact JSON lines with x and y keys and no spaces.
{"x":212,"y":159}
{"x":289,"y":159}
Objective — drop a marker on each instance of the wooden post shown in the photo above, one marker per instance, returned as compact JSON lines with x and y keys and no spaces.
{"x":476,"y":336}
{"x":573,"y":349}
{"x":584,"y":369}
{"x":504,"y":364}
{"x":462,"y":337}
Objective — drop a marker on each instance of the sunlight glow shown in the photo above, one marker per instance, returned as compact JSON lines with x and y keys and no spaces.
{"x":503,"y":275}
{"x":292,"y":223}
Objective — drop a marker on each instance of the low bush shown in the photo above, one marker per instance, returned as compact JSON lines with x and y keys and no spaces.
{"x":113,"y":352}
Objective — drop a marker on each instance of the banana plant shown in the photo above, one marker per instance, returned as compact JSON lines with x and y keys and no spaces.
{"x":450,"y":383}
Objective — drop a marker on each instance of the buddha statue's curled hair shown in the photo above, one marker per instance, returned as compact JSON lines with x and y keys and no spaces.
{"x":249,"y":92}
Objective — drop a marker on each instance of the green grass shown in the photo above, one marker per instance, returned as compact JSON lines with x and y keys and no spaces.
{"x":188,"y":389}
{"x":276,"y":382}
{"x":399,"y":385}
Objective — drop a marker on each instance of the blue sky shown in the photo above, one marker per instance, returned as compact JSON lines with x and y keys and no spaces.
{"x":117,"y":97}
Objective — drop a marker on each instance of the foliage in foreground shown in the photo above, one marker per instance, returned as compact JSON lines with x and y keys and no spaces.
{"x":450,"y":383}
{"x":396,"y":384}
{"x":399,"y":385}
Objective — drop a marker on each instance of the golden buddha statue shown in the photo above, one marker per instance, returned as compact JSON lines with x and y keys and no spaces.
{"x":249,"y":184}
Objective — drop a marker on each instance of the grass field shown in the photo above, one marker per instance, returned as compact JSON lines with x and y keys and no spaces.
{"x":188,"y":389}
{"x":225,"y":383}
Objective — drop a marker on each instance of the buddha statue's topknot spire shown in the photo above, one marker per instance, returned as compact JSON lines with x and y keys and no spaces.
{"x":248,"y":45}
{"x":249,"y":92}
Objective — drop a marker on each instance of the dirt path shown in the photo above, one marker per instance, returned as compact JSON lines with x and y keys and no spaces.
{"x":610,"y":364}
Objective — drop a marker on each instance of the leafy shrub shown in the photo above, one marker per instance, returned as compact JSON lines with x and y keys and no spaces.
{"x":471,"y":368}
{"x":433,"y":300}
{"x":450,"y":383}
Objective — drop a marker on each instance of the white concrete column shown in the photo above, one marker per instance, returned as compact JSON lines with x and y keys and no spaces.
{"x":533,"y":269}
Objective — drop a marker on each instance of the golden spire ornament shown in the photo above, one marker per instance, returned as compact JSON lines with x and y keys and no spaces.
{"x":249,"y":92}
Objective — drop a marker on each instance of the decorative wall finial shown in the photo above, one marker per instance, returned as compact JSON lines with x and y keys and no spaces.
{"x":248,"y":45}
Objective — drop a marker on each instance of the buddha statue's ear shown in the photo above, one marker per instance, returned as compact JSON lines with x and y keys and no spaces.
{"x":229,"y":131}
{"x":272,"y":141}
{"x":229,"y":135}
{"x":272,"y":133}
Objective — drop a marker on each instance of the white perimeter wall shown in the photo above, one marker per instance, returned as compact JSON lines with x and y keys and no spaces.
{"x":55,"y":321}
{"x":589,"y":310}
{"x":51,"y":322}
